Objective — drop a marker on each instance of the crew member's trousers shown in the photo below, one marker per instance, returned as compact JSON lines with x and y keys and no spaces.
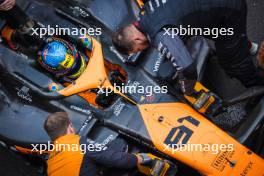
{"x":234,"y":51}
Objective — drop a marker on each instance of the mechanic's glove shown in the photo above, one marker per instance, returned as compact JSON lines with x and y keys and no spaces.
{"x":204,"y":101}
{"x":187,"y":79}
{"x":187,"y":86}
{"x":154,"y":166}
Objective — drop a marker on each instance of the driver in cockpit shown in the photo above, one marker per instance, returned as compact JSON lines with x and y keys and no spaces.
{"x":61,"y":58}
{"x":68,"y":60}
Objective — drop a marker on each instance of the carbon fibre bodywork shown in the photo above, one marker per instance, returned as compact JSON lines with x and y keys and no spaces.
{"x":25,"y":101}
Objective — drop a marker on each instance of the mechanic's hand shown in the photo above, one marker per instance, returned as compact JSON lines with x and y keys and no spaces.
{"x":7,"y":5}
{"x":151,"y":165}
{"x":260,"y":56}
{"x":144,"y":158}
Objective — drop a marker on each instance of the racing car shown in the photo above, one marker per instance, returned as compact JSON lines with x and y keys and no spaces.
{"x":155,"y":123}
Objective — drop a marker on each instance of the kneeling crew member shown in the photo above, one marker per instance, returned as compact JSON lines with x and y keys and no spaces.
{"x":158,"y":19}
{"x":71,"y":162}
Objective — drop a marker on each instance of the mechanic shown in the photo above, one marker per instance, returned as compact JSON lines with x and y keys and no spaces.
{"x":19,"y":26}
{"x":76,"y":162}
{"x":157,"y":17}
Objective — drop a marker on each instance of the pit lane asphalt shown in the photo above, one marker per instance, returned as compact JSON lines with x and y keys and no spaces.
{"x":13,"y":165}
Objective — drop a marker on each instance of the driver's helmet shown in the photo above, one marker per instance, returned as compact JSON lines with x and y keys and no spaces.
{"x":61,"y":58}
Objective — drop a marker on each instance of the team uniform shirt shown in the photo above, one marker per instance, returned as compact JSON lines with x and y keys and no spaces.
{"x":157,"y":16}
{"x":74,"y":161}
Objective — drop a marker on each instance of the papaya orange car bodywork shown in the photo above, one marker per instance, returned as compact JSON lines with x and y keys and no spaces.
{"x":172,"y":124}
{"x":95,"y":75}
{"x":165,"y":122}
{"x":140,"y":3}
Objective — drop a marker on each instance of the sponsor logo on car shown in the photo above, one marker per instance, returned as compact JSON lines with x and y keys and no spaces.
{"x":24,"y":93}
{"x":118,"y":108}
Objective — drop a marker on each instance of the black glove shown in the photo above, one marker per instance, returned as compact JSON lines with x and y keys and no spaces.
{"x":187,"y":79}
